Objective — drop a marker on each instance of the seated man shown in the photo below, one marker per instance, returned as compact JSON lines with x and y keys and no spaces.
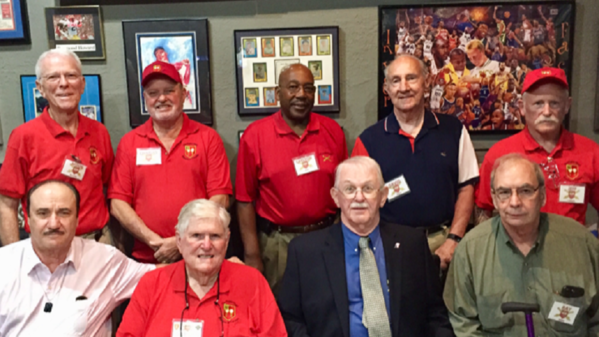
{"x":56,"y":284}
{"x":362,"y":277}
{"x":203,"y":293}
{"x":527,"y":256}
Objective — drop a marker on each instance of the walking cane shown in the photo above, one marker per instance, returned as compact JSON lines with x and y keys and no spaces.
{"x":527,"y":308}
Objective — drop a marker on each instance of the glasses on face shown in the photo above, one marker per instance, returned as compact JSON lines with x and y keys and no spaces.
{"x":351,"y":191}
{"x":70,"y":77}
{"x":550,"y":167}
{"x":523,"y":193}
{"x":155,"y":93}
{"x":308,"y":89}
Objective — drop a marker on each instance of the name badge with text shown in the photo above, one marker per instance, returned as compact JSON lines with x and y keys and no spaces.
{"x":305,"y":164}
{"x":149,"y":156}
{"x":563,"y":313}
{"x":572,"y":194}
{"x":187,"y":328}
{"x":397,"y":188}
{"x":73,"y":169}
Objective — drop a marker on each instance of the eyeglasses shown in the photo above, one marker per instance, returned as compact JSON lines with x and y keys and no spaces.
{"x":152,"y":93}
{"x":70,"y":77}
{"x":523,"y":193}
{"x":308,"y":89}
{"x":351,"y":191}
{"x":552,"y":172}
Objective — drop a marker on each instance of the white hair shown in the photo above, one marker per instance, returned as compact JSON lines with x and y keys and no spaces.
{"x":363,"y":162}
{"x":201,"y":209}
{"x":423,"y":66}
{"x":52,"y":52}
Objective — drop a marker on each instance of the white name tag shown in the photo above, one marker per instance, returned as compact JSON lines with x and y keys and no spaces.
{"x":397,"y":188}
{"x":187,"y":328}
{"x":572,"y":194}
{"x":305,"y":164}
{"x":73,"y":169}
{"x":149,"y":156}
{"x":563,"y":313}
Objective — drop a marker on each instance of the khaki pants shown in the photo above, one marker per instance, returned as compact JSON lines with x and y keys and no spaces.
{"x":105,"y":238}
{"x":436,"y":239}
{"x":274,"y":256}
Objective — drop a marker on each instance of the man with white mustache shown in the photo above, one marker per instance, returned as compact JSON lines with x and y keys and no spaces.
{"x":163,"y":164}
{"x":569,"y":161}
{"x":428,"y":160}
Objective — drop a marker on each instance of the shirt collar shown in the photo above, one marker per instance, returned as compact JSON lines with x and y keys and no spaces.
{"x":283,"y":128}
{"x":353,"y":239}
{"x":31,"y":260}
{"x":179,"y":281}
{"x":565,"y":141}
{"x":505,"y":238}
{"x":83,"y":125}
{"x":147,"y":128}
{"x":392,"y":125}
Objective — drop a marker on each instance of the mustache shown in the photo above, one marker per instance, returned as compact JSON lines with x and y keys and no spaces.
{"x":546,"y":120}
{"x":358,"y":205}
{"x":53,"y":231}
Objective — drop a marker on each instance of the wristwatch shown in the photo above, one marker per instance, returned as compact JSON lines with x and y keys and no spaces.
{"x":454,"y":237}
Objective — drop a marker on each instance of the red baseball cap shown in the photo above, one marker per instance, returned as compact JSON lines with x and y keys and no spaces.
{"x":544,"y":74}
{"x":160,"y":68}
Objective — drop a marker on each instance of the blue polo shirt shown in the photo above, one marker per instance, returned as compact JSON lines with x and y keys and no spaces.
{"x":435,"y":165}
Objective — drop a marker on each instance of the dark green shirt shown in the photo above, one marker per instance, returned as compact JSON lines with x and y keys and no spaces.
{"x":488,"y":270}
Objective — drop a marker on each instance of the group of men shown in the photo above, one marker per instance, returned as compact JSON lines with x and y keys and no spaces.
{"x":364,"y":271}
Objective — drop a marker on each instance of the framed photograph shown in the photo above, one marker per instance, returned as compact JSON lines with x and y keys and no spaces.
{"x":184,"y":44}
{"x":477,"y":55}
{"x":324,"y":94}
{"x":90,"y":104}
{"x":259,"y":72}
{"x":249,"y":48}
{"x":14,"y":23}
{"x":268,"y":47}
{"x":305,"y":45}
{"x":260,"y":75}
{"x":78,"y":29}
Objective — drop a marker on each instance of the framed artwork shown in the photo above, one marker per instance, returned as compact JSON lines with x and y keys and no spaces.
{"x":78,"y":29}
{"x":90,"y":104}
{"x":257,"y":77}
{"x":324,"y":94}
{"x":477,"y":55}
{"x":14,"y":23}
{"x":183,"y":43}
{"x":249,"y":48}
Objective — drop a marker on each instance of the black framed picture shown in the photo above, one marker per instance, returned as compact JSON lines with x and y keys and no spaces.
{"x":261,"y":54}
{"x":78,"y":29}
{"x":14,"y":23}
{"x":183,"y":43}
{"x":477,"y":55}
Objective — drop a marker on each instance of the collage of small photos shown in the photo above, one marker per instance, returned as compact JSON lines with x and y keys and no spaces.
{"x":264,"y":57}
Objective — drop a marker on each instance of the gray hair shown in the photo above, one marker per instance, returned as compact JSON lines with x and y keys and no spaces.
{"x":363,"y":162}
{"x":423,"y":66}
{"x":201,"y":209}
{"x":517,"y":157}
{"x":52,"y":52}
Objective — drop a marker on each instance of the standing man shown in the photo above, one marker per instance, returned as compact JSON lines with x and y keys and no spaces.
{"x":428,"y":161}
{"x":363,"y":276}
{"x":163,"y":164}
{"x":60,"y":144}
{"x":285,"y":169}
{"x":570,"y":162}
{"x":524,"y":255}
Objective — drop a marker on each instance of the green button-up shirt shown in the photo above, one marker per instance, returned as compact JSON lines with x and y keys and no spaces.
{"x":487,"y":270}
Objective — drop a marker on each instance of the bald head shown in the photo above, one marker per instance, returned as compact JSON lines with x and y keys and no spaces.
{"x":409,"y":58}
{"x":514,"y":159}
{"x":292,"y":68}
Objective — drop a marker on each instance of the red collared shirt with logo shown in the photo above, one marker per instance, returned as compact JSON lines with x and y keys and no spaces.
{"x":37,"y":151}
{"x":196,"y":167}
{"x":573,"y":161}
{"x":245,"y":307}
{"x":266,"y":172}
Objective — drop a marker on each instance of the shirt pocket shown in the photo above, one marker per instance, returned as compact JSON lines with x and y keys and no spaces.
{"x":580,"y":320}
{"x":490,"y":315}
{"x":75,"y":319}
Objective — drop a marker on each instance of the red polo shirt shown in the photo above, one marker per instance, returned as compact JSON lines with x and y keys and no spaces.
{"x":577,"y":161}
{"x":196,"y":167}
{"x":266,"y":173}
{"x":246,"y":304}
{"x":37,"y":150}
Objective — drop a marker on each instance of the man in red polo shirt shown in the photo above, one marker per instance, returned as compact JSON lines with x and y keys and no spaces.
{"x":285,"y":170}
{"x":163,"y":164}
{"x":60,"y":144}
{"x":570,"y":162}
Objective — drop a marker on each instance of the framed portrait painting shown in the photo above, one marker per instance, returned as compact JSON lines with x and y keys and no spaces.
{"x":78,"y":29}
{"x":14,"y":24}
{"x":184,"y":44}
{"x":258,"y":72}
{"x":477,"y":55}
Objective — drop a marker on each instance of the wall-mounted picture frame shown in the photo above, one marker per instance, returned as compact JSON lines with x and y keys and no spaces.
{"x":90,"y":104}
{"x":255,"y":88}
{"x":78,"y":29}
{"x":183,"y":43}
{"x":14,"y":22}
{"x":478,"y":55}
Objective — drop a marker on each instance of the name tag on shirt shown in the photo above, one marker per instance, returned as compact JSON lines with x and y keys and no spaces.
{"x":149,"y":156}
{"x":187,"y":328}
{"x":563,"y":313}
{"x":572,"y":194}
{"x":73,"y":169}
{"x":397,"y":188}
{"x":305,"y":164}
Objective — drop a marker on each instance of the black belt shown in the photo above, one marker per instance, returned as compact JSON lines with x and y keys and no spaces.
{"x":268,"y":227}
{"x":434,"y":229}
